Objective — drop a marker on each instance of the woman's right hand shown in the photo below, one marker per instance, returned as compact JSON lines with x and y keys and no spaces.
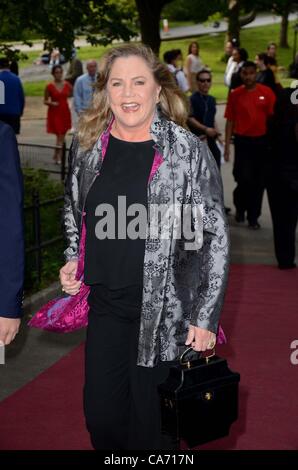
{"x":68,"y":280}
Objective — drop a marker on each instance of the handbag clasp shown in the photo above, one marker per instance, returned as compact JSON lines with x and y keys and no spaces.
{"x":188,"y":363}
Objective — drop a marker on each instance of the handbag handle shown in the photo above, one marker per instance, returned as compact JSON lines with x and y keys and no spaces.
{"x":188,"y":363}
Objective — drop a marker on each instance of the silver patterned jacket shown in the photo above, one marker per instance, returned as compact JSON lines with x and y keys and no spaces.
{"x":180,"y":286}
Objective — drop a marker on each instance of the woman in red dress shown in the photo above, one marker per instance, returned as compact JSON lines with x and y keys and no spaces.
{"x":59,"y":117}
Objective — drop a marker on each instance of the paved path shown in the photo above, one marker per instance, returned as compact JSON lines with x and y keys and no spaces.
{"x":201,"y":29}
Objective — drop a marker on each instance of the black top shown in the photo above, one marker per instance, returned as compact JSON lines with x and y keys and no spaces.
{"x":117,"y":262}
{"x":203,"y":109}
{"x":266,"y":77}
{"x":236,"y":80}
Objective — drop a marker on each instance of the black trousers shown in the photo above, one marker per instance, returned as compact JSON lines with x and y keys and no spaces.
{"x":249,"y":173}
{"x":283,"y":202}
{"x":121,"y":401}
{"x":214,"y":150}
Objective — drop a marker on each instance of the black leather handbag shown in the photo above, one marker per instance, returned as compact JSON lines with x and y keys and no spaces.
{"x":199,"y":399}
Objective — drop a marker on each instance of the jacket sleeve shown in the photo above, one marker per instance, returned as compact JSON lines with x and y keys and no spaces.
{"x":214,"y":254}
{"x":11,"y":226}
{"x":71,"y":229}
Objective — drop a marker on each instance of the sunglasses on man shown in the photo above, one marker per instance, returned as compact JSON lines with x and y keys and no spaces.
{"x":203,"y":80}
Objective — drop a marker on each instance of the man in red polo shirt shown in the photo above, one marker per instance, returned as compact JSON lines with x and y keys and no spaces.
{"x":248,"y":109}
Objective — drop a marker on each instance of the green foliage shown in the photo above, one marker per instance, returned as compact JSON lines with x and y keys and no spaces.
{"x":177,"y":10}
{"x":277,"y":6}
{"x":52,"y":256}
{"x":195,"y":10}
{"x":38,"y":180}
{"x":60,"y":21}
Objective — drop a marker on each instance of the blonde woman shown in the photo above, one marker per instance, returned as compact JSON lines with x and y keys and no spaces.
{"x":151,"y":292}
{"x":193,"y":65}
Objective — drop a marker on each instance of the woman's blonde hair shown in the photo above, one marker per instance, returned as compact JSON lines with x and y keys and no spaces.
{"x":173,"y":104}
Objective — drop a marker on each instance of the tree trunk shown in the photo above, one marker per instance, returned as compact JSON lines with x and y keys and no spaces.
{"x":234,"y":31}
{"x":246,"y":19}
{"x":149,"y":16}
{"x":283,"y":34}
{"x":233,"y":20}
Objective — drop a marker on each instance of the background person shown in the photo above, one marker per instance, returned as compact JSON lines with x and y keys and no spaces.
{"x":74,"y":71}
{"x":84,"y":88}
{"x":171,"y":58}
{"x":11,"y":236}
{"x":272,"y":64}
{"x":272,"y":50}
{"x":265,"y":74}
{"x":202,"y":116}
{"x":293,"y":68}
{"x":75,"y":68}
{"x":282,"y":178}
{"x":247,"y":112}
{"x":231,"y":64}
{"x":12,"y":109}
{"x":239,"y":55}
{"x":58,"y":118}
{"x":193,"y":65}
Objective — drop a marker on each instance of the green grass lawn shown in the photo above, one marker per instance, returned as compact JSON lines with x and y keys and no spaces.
{"x":35,"y":88}
{"x":255,"y":40}
{"x":32,"y":55}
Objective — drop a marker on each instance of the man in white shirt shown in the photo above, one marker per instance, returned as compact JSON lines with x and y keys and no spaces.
{"x":231,"y":68}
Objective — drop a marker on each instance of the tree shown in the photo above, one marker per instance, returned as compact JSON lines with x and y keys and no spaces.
{"x":102,"y":22}
{"x":235,"y":21}
{"x":283,"y":36}
{"x":281,"y":8}
{"x":60,"y":21}
{"x":149,"y":16}
{"x":196,"y":10}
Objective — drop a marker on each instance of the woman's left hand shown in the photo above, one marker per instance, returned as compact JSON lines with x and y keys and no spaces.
{"x":200,"y":339}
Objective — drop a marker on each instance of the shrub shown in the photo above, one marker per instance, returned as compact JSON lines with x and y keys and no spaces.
{"x":50,"y":227}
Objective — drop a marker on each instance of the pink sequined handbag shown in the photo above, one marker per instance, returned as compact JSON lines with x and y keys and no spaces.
{"x":63,"y":314}
{"x":70,"y":312}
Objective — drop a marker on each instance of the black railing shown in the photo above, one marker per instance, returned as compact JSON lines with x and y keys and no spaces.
{"x":38,"y":243}
{"x":40,"y":156}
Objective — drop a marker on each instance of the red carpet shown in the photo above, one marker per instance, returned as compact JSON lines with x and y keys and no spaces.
{"x":260,"y":319}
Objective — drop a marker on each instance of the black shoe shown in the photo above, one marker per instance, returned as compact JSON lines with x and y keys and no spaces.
{"x":287,"y":266}
{"x":254,"y":225}
{"x":239,"y":217}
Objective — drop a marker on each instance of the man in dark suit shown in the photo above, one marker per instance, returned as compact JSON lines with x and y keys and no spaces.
{"x":11,"y":235}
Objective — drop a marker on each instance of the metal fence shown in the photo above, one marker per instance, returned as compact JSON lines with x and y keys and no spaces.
{"x":40,"y":156}
{"x":38,"y":243}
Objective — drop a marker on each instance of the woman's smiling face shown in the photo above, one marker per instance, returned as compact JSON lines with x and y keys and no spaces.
{"x":132,"y":92}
